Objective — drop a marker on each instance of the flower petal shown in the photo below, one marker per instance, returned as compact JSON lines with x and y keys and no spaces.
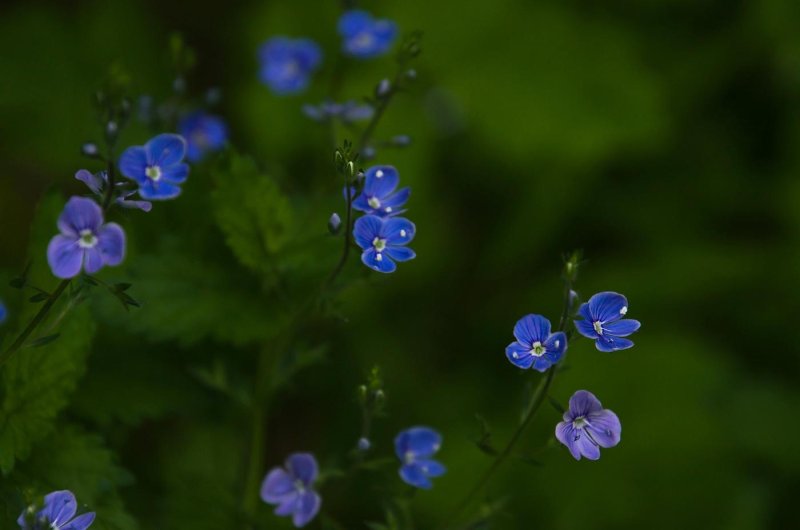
{"x":413,"y":475}
{"x":586,"y":445}
{"x":379,"y":261}
{"x":79,"y":214}
{"x":366,"y":229}
{"x":175,"y":174}
{"x":59,"y":507}
{"x":111,"y":244}
{"x":391,"y":205}
{"x":93,"y":182}
{"x":541,"y":364}
{"x":353,"y":21}
{"x":432,"y":468}
{"x":288,"y":504}
{"x":82,"y":522}
{"x":421,"y":442}
{"x":133,"y":164}
{"x":65,"y":257}
{"x":604,"y":427}
{"x":165,"y":150}
{"x":519,"y":355}
{"x":306,"y":508}
{"x":555,"y":345}
{"x":308,"y":53}
{"x":276,"y":486}
{"x":159,"y":191}
{"x":398,"y":231}
{"x":565,"y":434}
{"x":607,"y":306}
{"x":92,"y":260}
{"x":380,"y":181}
{"x":621,"y":328}
{"x":532,"y":328}
{"x":302,"y":466}
{"x":583,"y":403}
{"x":586,"y":328}
{"x":608,"y":343}
{"x":400,"y":253}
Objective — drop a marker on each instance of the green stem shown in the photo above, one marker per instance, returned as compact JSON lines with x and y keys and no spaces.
{"x":34,"y":323}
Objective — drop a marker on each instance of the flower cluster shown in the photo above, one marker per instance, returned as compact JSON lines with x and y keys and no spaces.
{"x":58,"y":513}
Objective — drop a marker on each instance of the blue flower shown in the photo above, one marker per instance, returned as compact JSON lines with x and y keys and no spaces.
{"x":287,"y":64}
{"x":383,"y":241}
{"x":379,"y":196}
{"x":349,"y":111}
{"x":97,"y":183}
{"x":290,"y":488}
{"x":415,"y":447}
{"x":603,"y":321}
{"x":587,"y":426}
{"x":203,"y":132}
{"x":3,"y":312}
{"x":157,"y":167}
{"x":365,"y":37}
{"x":85,"y":242}
{"x":535,"y":346}
{"x":58,"y":513}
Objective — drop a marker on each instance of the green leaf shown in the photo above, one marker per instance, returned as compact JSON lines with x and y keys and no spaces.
{"x":253,"y":214}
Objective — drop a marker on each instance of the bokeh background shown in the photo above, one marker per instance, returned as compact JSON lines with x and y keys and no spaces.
{"x":658,"y":136}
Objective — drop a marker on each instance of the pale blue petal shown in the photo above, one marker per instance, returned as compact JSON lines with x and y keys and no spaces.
{"x":65,"y":257}
{"x":532,"y":328}
{"x":79,"y":214}
{"x":302,"y":466}
{"x":306,"y":508}
{"x":607,"y":307}
{"x":111,"y":244}
{"x":133,"y":164}
{"x":366,"y":229}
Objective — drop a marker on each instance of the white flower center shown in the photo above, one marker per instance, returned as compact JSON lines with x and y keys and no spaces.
{"x":374,"y":202}
{"x":598,"y":327}
{"x":409,"y":457}
{"x":87,"y":239}
{"x":580,"y":422}
{"x":299,"y":486}
{"x":379,"y":244}
{"x":537,"y":350}
{"x":363,"y":40}
{"x":153,"y":173}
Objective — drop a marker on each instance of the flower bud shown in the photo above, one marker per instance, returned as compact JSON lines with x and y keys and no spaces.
{"x":401,"y":140}
{"x":334,"y":223}
{"x":411,"y":74}
{"x":364,"y":444}
{"x":368,"y":153}
{"x":213,"y":95}
{"x":179,"y":85}
{"x":383,"y":88}
{"x":90,"y":149}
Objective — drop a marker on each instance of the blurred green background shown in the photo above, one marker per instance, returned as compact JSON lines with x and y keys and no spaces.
{"x":658,"y":136}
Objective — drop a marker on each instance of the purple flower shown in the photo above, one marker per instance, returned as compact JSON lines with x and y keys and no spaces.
{"x":290,"y":489}
{"x":287,"y":64}
{"x":535,"y":346}
{"x":383,"y":241}
{"x":85,"y":242}
{"x":348,"y":112}
{"x":99,"y":181}
{"x":415,"y":447}
{"x":379,"y":196}
{"x":203,"y":132}
{"x":365,"y":37}
{"x":587,"y":426}
{"x":157,"y":167}
{"x":58,"y":514}
{"x":603,"y":321}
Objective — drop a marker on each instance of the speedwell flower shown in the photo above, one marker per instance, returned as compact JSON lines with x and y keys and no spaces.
{"x":349,"y":111}
{"x":290,"y":488}
{"x":587,"y":426}
{"x":287,"y":64}
{"x":604,"y":323}
{"x":204,"y":133}
{"x":157,"y":167}
{"x":98,"y":183}
{"x":535,"y":346}
{"x":365,"y":37}
{"x":85,"y":242}
{"x":415,"y":448}
{"x":58,"y":514}
{"x":383,"y":241}
{"x":379,"y":196}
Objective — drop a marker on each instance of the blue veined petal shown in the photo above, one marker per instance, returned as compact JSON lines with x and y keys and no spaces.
{"x":519,"y":355}
{"x":556,"y":345}
{"x":586,"y":328}
{"x":605,"y":427}
{"x":391,"y":205}
{"x":366,"y":229}
{"x":532,"y":328}
{"x":277,"y":485}
{"x":541,"y":364}
{"x":353,"y":22}
{"x":82,"y":522}
{"x":621,"y":328}
{"x":111,"y":244}
{"x":360,"y":203}
{"x":59,"y":507}
{"x":587,"y":447}
{"x":92,"y":260}
{"x":400,"y":253}
{"x":165,"y":150}
{"x":565,"y":434}
{"x":421,"y":442}
{"x":93,"y":182}
{"x":607,"y":306}
{"x":398,"y":231}
{"x":432,"y":468}
{"x":302,"y":466}
{"x":175,"y":174}
{"x":133,"y":164}
{"x":609,"y":343}
{"x":584,"y":311}
{"x":79,"y":214}
{"x":413,"y":475}
{"x":65,"y":257}
{"x":306,"y":508}
{"x":582,"y":403}
{"x":288,"y":504}
{"x":379,"y":261}
{"x":159,"y":191}
{"x":380,"y":181}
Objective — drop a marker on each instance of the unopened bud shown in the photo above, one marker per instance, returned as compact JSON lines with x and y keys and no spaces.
{"x":179,"y":85}
{"x":383,"y":88}
{"x":90,"y":149}
{"x":334,"y":223}
{"x":364,"y":444}
{"x":368,"y":153}
{"x":213,"y":96}
{"x":401,"y":140}
{"x":411,"y":74}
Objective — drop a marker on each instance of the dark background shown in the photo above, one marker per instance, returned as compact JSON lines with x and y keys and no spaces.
{"x":658,"y":136}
